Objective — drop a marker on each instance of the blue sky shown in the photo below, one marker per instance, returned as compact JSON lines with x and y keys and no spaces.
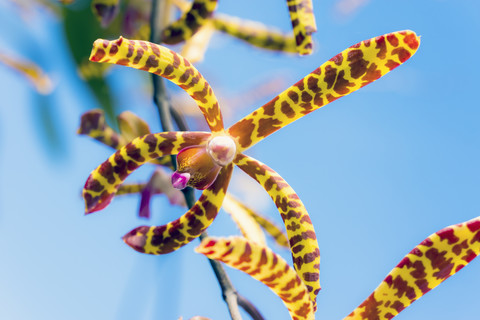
{"x":378,"y":170}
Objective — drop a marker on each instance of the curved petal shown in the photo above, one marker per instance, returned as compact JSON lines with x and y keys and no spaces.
{"x":130,"y":188}
{"x":194,"y":48}
{"x":189,"y":23}
{"x":249,"y":228}
{"x":303,"y":241}
{"x":435,"y":259}
{"x":93,"y":124}
{"x":176,"y":234}
{"x":161,"y":61}
{"x":103,"y":182}
{"x":348,"y":71}
{"x":255,"y":33}
{"x":265,"y":266}
{"x":273,"y":230}
{"x":303,"y":23}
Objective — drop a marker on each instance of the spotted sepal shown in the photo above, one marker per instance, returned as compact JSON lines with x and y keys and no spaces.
{"x":255,"y":33}
{"x":265,"y":266}
{"x":348,"y":71}
{"x":435,"y":259}
{"x":176,"y":234}
{"x":93,"y":124}
{"x":105,"y":10}
{"x":161,"y":61}
{"x":303,"y":23}
{"x":300,"y":232}
{"x":249,"y":228}
{"x":189,"y":23}
{"x":103,"y":182}
{"x":130,"y":188}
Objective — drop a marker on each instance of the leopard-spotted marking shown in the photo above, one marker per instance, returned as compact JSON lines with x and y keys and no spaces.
{"x":129,"y":188}
{"x":255,"y":33}
{"x":104,"y":181}
{"x":435,"y":259}
{"x":161,"y":61}
{"x":174,"y":235}
{"x":189,"y":23}
{"x":300,"y":231}
{"x":264,"y":265}
{"x":346,"y":72}
{"x":303,"y":23}
{"x":93,"y":124}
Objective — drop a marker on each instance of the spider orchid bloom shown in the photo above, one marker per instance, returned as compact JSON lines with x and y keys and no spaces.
{"x":435,"y":259}
{"x":205,"y":160}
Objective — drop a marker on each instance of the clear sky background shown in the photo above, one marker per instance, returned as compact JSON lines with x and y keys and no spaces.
{"x":378,"y":170}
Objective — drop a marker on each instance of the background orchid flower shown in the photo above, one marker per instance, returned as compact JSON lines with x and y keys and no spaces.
{"x":205,"y":160}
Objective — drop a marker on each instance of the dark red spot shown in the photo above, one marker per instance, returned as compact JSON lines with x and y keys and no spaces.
{"x":392,"y":39}
{"x":403,"y":54}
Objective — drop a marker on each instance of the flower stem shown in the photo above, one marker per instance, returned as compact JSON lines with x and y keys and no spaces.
{"x":166,"y":112}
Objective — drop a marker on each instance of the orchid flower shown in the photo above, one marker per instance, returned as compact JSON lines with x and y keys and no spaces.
{"x":205,"y":159}
{"x":435,"y":259}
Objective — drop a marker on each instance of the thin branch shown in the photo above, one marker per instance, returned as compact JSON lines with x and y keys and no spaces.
{"x":165,"y":110}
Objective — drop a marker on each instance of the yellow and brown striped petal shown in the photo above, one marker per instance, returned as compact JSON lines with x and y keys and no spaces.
{"x":348,"y":71}
{"x":435,"y":259}
{"x":103,"y":182}
{"x":264,"y":265}
{"x":300,"y":231}
{"x":130,"y":188}
{"x":255,"y":33}
{"x":161,"y":61}
{"x":93,"y":124}
{"x":303,"y":23}
{"x":189,"y":23}
{"x":176,"y":234}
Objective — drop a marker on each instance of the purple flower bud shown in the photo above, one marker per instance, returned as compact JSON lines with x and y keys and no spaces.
{"x":180,"y":180}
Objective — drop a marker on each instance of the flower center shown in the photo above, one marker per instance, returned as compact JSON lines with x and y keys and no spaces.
{"x":222,"y":149}
{"x":198,"y":166}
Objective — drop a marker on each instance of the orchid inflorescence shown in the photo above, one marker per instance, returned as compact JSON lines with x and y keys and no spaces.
{"x":205,"y":161}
